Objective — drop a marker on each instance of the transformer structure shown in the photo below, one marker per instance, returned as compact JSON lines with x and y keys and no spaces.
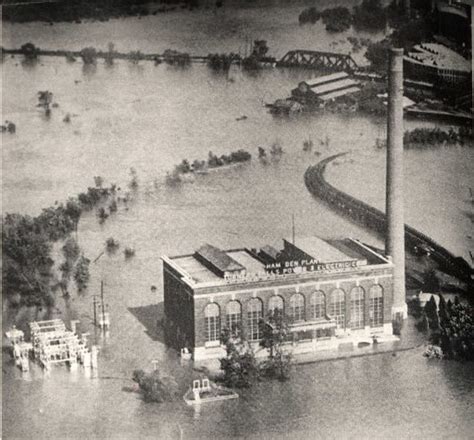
{"x":54,"y":344}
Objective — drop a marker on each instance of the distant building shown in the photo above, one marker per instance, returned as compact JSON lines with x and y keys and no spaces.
{"x":333,"y":291}
{"x":319,"y":91}
{"x":436,"y":63}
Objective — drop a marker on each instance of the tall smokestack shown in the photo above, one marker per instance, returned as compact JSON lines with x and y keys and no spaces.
{"x":395,"y":237}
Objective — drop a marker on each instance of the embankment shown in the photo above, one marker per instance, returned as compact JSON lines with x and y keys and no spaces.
{"x":372,"y":218}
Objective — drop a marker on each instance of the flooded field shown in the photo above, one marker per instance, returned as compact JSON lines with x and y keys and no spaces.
{"x":150,"y":118}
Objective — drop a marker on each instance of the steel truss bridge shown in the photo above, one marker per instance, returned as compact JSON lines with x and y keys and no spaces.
{"x":312,"y":59}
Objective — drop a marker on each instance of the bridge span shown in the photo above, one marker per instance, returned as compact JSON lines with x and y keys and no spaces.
{"x":312,"y":59}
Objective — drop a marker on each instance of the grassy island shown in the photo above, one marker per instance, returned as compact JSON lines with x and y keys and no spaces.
{"x":203,"y":166}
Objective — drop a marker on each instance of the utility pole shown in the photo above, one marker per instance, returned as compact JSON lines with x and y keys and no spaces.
{"x":94,"y":299}
{"x":102,"y":300}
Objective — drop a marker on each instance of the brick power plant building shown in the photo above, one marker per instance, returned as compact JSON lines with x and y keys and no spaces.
{"x":333,"y":292}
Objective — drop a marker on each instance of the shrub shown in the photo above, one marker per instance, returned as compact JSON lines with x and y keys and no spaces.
{"x":309,"y":15}
{"x":102,"y":213}
{"x":378,"y":55}
{"x":276,"y":149}
{"x":89,"y":55}
{"x":370,"y":15}
{"x":134,"y":179}
{"x":275,"y":332}
{"x":129,"y":252}
{"x":173,"y":179}
{"x":239,"y":366}
{"x":99,"y":181}
{"x":71,"y":249}
{"x":173,"y":57}
{"x":135,"y":56}
{"x":81,"y":274}
{"x":29,"y":50}
{"x":111,"y":244}
{"x":337,"y":19}
{"x":184,"y":167}
{"x":422,"y":325}
{"x":155,"y":387}
{"x":221,"y":62}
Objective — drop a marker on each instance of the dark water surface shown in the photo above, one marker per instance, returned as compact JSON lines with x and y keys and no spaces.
{"x":150,"y":118}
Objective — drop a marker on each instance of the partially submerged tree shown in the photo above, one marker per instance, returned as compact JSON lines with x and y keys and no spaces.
{"x":71,"y":250}
{"x":155,"y":386}
{"x":275,"y":332}
{"x":45,"y":99}
{"x":110,"y":54}
{"x":239,"y":366}
{"x":30,"y":51}
{"x":111,"y":245}
{"x":81,"y":274}
{"x":135,"y":56}
{"x":99,"y":181}
{"x":370,"y":15}
{"x":89,"y":55}
{"x":134,"y":179}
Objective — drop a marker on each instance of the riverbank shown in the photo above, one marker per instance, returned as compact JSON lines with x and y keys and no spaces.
{"x":63,"y":11}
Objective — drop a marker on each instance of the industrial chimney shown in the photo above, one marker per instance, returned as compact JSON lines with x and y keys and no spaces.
{"x":395,"y":235}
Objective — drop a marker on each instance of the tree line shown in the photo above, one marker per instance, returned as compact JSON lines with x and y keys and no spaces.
{"x":451,"y":327}
{"x":28,"y":267}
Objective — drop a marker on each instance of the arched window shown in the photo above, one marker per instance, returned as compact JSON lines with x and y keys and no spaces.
{"x":357,"y":307}
{"x":276,"y":302}
{"x":317,"y":305}
{"x":376,"y":305}
{"x":255,"y":313}
{"x":296,"y":309}
{"x":212,"y":322}
{"x":337,"y":307}
{"x":234,"y":315}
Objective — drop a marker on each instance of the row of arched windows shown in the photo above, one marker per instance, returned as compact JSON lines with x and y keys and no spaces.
{"x":320,"y":305}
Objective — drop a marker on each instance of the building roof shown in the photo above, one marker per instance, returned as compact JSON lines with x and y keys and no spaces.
{"x":193,"y":268}
{"x":449,"y":8}
{"x":439,"y":56}
{"x":243,"y":264}
{"x":325,"y":79}
{"x":270,"y":251}
{"x":337,"y":93}
{"x":218,"y":259}
{"x":334,"y":85}
{"x":249,"y":262}
{"x":319,"y":249}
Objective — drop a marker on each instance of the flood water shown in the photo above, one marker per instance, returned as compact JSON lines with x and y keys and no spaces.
{"x":150,"y":118}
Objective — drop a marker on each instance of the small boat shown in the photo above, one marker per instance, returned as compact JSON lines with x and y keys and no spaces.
{"x":203,"y":391}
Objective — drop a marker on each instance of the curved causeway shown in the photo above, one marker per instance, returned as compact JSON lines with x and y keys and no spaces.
{"x":372,"y":218}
